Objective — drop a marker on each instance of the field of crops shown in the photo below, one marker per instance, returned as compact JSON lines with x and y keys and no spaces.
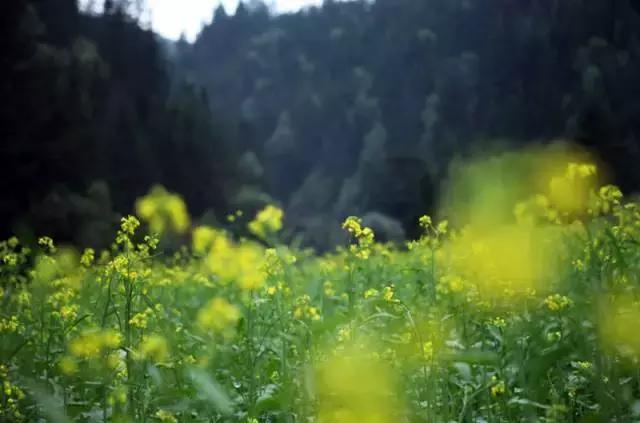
{"x":521,"y":307}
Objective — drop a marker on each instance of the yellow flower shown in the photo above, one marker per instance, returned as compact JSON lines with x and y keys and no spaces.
{"x":129,"y":224}
{"x":313,"y":313}
{"x":87,"y":258}
{"x":344,"y":334}
{"x":267,"y":221}
{"x":250,"y":262}
{"x":617,"y":324}
{"x":304,"y":309}
{"x":68,"y":365}
{"x":69,"y":312}
{"x":498,"y":388}
{"x":166,"y":416}
{"x":428,"y":351}
{"x":13,"y":242}
{"x":154,"y":348}
{"x":328,"y":289}
{"x":47,"y":244}
{"x":370,"y":293}
{"x":240,"y":263}
{"x":141,"y":320}
{"x":353,"y":387}
{"x":387,"y":293}
{"x":554,"y":336}
{"x":499,"y":322}
{"x":511,"y":259}
{"x":584,"y":365}
{"x":569,"y":193}
{"x":557,"y":302}
{"x":363,"y":235}
{"x":443,"y":227}
{"x":425,"y":221}
{"x":203,"y":238}
{"x":92,"y":344}
{"x":163,"y":210}
{"x":111,"y":339}
{"x":9,"y":325}
{"x":218,"y":316}
{"x":114,"y":361}
{"x":353,"y":225}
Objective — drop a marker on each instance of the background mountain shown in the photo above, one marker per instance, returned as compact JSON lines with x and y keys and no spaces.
{"x":359,"y":107}
{"x":354,"y":107}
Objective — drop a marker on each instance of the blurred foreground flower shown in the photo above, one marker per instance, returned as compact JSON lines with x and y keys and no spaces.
{"x":509,"y":206}
{"x":508,"y":260}
{"x":154,"y":348}
{"x":94,"y":343}
{"x":354,"y":387}
{"x":203,"y":238}
{"x":569,"y":192}
{"x":617,"y":327}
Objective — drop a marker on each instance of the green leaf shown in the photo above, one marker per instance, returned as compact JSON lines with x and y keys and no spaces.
{"x":211,"y":391}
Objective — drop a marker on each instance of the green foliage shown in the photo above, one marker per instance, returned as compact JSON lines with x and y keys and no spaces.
{"x":89,"y":98}
{"x":446,"y":328}
{"x":443,"y":78}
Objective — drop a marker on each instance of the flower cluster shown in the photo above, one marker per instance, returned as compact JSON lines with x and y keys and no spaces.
{"x":163,"y":211}
{"x":267,"y":222}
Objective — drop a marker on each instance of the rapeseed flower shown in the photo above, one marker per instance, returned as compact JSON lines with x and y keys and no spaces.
{"x":88,"y":257}
{"x":47,"y":244}
{"x":508,"y":259}
{"x":304,"y":309}
{"x":141,"y":320}
{"x":240,"y":263}
{"x":268,"y":221}
{"x":570,"y":192}
{"x":93,"y":343}
{"x":355,"y":387}
{"x":362,"y":234}
{"x":371,"y":293}
{"x":154,"y":348}
{"x":166,"y":416}
{"x":617,"y":323}
{"x":218,"y":316}
{"x":203,"y":238}
{"x":498,"y":387}
{"x":68,"y":365}
{"x":163,"y":211}
{"x":557,"y":302}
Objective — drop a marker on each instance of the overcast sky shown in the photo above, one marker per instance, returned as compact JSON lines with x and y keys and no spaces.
{"x":171,"y":18}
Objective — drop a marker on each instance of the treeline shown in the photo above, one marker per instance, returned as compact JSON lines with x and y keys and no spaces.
{"x":354,"y":107}
{"x":91,"y":118}
{"x":359,"y":107}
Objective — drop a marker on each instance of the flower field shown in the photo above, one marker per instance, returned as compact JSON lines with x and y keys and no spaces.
{"x":521,"y":306}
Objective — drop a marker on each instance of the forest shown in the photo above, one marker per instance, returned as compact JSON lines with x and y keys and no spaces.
{"x":350,"y":108}
{"x":362,"y":211}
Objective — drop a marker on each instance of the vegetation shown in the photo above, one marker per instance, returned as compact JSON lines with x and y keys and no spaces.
{"x":91,"y":119}
{"x":521,"y":309}
{"x":278,"y":264}
{"x":359,"y":107}
{"x":349,"y":108}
